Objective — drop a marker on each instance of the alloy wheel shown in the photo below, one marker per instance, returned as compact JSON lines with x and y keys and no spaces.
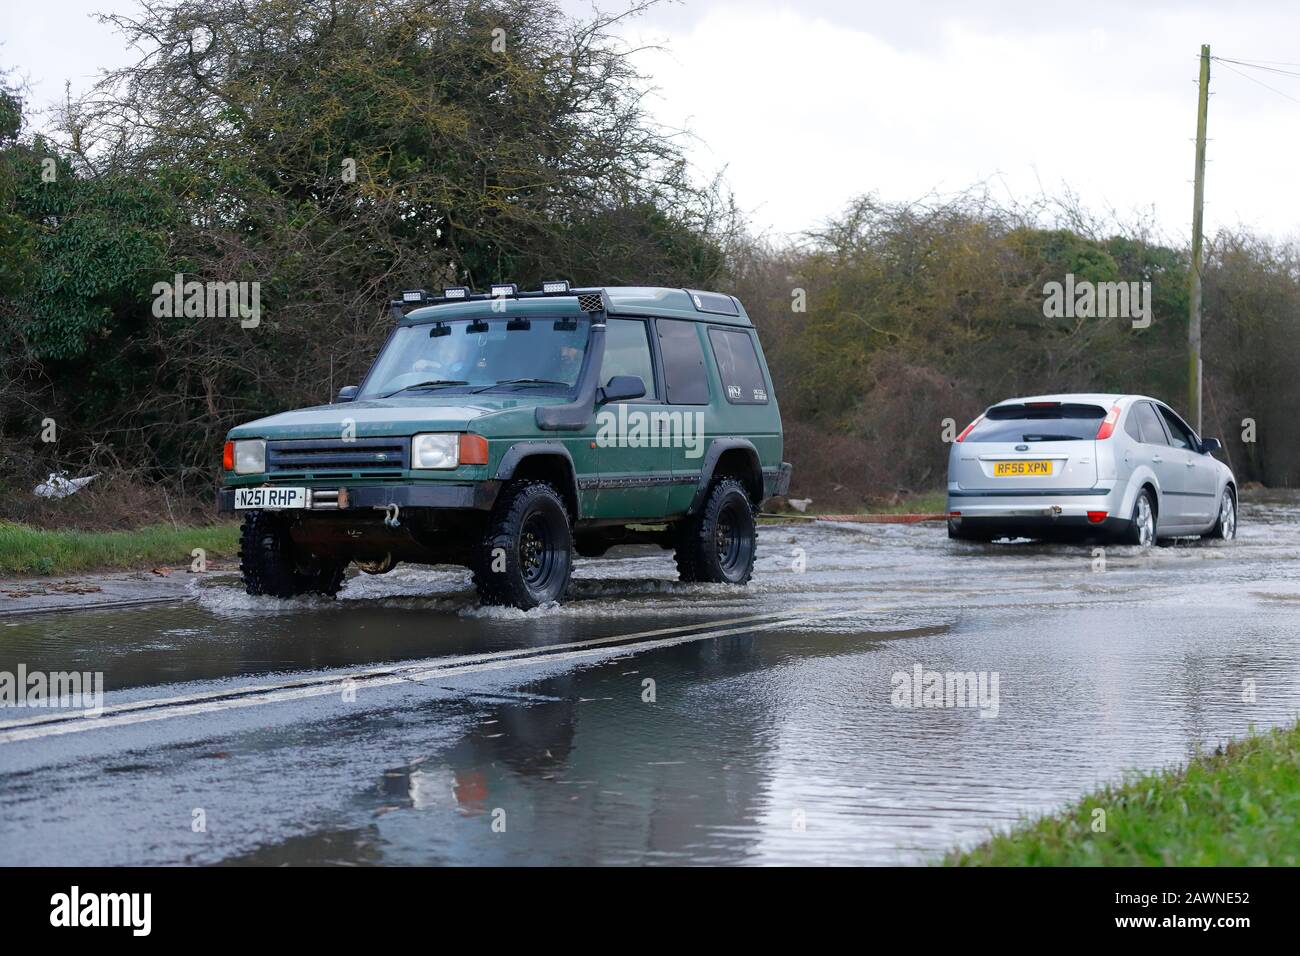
{"x":1228,"y":517}
{"x":1145,"y":520}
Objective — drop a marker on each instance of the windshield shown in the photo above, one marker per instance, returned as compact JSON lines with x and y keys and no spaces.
{"x":547,"y":355}
{"x":1030,"y":423}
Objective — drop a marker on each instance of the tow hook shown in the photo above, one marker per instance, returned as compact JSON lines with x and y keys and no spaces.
{"x":1056,"y":511}
{"x":391,"y":516}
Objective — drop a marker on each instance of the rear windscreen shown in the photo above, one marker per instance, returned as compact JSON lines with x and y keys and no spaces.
{"x":1028,"y":423}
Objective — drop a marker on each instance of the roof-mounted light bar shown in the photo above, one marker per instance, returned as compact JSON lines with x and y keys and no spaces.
{"x":589,"y":300}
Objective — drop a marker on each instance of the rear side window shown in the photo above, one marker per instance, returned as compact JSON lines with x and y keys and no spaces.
{"x":1149,"y":424}
{"x":627,"y":352}
{"x":1131,"y":424}
{"x":1030,"y":423}
{"x":742,"y":376}
{"x":1180,"y":434}
{"x":679,"y":344}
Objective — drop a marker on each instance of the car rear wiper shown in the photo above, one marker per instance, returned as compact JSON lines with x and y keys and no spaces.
{"x":520,"y":381}
{"x":432,"y":383}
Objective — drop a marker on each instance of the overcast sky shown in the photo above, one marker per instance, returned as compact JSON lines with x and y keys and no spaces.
{"x":807,"y":105}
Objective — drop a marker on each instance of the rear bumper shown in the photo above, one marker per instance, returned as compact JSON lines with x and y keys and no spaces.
{"x":1039,"y":514}
{"x":1041,"y":526}
{"x":476,"y":496}
{"x":776,"y":481}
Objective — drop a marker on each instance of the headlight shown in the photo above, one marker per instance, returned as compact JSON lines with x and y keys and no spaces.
{"x":435,"y":451}
{"x":250,"y":457}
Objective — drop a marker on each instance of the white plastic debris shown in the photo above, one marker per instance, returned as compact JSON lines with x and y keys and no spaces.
{"x":60,"y":485}
{"x":799,"y":504}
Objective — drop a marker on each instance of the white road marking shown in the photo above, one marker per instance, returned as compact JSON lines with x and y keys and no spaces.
{"x":60,"y":716}
{"x":249,"y":696}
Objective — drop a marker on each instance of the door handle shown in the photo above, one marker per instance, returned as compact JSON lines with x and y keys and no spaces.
{"x":1190,"y":464}
{"x":1157,"y":460}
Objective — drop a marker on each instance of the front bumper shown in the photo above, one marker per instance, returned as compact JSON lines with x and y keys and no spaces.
{"x":476,"y":496}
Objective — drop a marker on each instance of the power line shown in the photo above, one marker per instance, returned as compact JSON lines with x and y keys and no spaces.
{"x":1273,"y":62}
{"x":1253,"y":80}
{"x":1257,"y":66}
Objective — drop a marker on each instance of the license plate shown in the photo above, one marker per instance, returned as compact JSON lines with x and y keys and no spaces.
{"x":1010,"y":469}
{"x":270,"y":498}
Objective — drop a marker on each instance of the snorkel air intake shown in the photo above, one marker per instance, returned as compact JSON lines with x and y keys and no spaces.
{"x":574,"y":416}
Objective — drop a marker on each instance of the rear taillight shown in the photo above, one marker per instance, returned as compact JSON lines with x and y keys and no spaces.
{"x":966,"y":431}
{"x":1096,"y":517}
{"x":228,"y":456}
{"x":1108,"y":424}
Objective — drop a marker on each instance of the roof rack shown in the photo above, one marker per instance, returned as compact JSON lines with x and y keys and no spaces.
{"x":589,"y":300}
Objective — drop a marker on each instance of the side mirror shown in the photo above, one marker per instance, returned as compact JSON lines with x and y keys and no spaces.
{"x":1210,"y":445}
{"x":347,"y":393}
{"x":621,"y":388}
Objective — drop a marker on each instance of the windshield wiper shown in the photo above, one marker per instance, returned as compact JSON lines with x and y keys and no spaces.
{"x":432,"y":383}
{"x":521,"y":381}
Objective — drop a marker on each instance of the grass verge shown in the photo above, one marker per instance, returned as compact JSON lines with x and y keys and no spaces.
{"x":928,"y":502}
{"x":28,"y":550}
{"x":1237,"y":806}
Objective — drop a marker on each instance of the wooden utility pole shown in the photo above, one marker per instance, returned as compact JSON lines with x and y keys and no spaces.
{"x":1198,"y":215}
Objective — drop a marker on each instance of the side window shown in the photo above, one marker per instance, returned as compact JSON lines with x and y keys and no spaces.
{"x":1152,"y":433}
{"x":742,"y":376}
{"x":684,"y":376}
{"x":1131,"y":423}
{"x":627,"y":352}
{"x":1182,"y":437}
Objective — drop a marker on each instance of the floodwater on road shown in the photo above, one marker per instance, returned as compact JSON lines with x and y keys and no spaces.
{"x":649,"y":721}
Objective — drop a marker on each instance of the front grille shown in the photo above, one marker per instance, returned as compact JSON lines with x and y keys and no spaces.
{"x":315,"y":456}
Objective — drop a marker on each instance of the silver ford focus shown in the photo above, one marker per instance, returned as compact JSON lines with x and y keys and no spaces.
{"x":1123,"y":467}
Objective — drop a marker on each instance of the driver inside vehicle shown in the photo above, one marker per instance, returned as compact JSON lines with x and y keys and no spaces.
{"x":568,"y":363}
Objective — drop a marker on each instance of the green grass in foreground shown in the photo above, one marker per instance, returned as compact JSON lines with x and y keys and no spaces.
{"x":1239,"y":806}
{"x":27,"y":550}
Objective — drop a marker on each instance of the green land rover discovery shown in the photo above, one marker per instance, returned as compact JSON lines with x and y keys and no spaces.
{"x":504,"y":431}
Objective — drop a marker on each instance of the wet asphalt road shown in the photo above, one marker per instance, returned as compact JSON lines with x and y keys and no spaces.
{"x":402,"y":724}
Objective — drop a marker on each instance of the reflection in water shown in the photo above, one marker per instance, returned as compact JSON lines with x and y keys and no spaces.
{"x":786,"y":748}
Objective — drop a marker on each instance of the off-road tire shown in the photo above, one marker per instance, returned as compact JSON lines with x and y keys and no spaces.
{"x":529,"y":540}
{"x":717,"y":544}
{"x":274,"y":566}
